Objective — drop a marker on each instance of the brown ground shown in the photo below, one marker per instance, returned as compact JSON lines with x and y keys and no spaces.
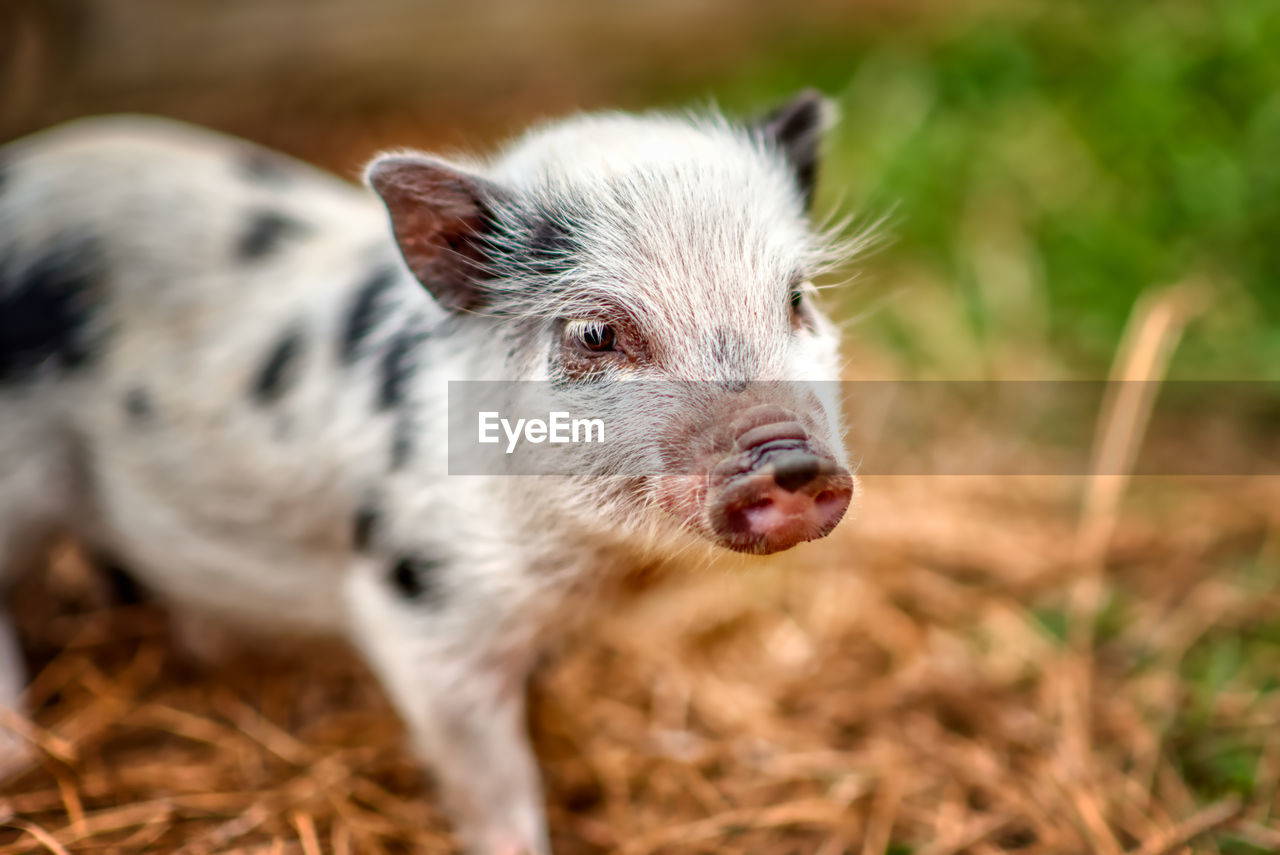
{"x":893,"y":687}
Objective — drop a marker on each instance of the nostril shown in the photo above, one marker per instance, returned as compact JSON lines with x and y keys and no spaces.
{"x":740,"y":518}
{"x":825,"y":497}
{"x":795,"y":471}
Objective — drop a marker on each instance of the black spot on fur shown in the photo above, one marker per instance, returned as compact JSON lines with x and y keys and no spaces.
{"x":365,"y":313}
{"x":281,"y":368}
{"x":413,"y":577}
{"x":364,"y":526}
{"x":398,"y":365}
{"x":552,"y":246}
{"x":124,"y":586}
{"x":138,"y":404}
{"x":264,"y":167}
{"x":266,"y":232}
{"x":46,"y":309}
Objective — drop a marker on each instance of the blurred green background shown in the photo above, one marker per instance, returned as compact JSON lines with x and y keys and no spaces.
{"x":1040,"y":165}
{"x":1045,"y":165}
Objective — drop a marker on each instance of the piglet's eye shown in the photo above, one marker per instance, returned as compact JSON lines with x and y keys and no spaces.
{"x":797,"y":298}
{"x":594,"y":337}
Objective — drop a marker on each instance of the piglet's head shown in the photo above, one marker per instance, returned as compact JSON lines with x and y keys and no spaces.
{"x":655,"y":272}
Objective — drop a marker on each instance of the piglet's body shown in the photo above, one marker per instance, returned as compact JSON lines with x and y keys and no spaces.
{"x":229,"y":373}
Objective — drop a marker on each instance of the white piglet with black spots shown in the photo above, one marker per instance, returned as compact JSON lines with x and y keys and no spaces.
{"x":229,"y":373}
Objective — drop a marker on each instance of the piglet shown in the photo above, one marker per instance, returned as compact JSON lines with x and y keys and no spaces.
{"x":237,"y":376}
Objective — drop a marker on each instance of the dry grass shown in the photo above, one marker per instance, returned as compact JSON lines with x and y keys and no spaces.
{"x":897,"y":686}
{"x":973,"y":666}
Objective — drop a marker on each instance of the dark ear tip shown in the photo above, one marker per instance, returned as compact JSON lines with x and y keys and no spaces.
{"x":795,"y":130}
{"x":800,"y":121}
{"x":807,"y":108}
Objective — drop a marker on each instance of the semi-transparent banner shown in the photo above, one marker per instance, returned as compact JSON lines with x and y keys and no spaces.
{"x":637,"y":429}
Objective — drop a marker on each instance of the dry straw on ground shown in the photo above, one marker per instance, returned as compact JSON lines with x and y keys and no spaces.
{"x":967,"y":668}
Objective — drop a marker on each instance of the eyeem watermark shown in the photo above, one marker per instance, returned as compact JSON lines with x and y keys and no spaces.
{"x":557,"y":428}
{"x":996,"y":428}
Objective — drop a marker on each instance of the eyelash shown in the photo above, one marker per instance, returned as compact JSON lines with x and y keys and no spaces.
{"x":593,"y":337}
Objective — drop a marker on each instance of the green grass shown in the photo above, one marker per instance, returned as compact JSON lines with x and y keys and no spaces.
{"x":1229,"y":680}
{"x":1231,"y":668}
{"x":1046,"y":167}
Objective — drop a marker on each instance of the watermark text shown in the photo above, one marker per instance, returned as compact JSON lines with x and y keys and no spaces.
{"x":558,"y":427}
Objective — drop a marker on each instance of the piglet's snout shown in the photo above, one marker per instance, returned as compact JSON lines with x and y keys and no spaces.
{"x":777,"y":488}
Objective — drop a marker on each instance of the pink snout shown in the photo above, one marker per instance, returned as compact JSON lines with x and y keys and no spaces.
{"x":777,"y":489}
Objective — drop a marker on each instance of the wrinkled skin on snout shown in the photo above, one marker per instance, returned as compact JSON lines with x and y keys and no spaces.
{"x":761,"y":475}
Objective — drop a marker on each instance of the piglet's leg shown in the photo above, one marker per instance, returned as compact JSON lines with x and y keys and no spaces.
{"x":461,"y":692}
{"x":14,"y":750}
{"x":26,"y":532}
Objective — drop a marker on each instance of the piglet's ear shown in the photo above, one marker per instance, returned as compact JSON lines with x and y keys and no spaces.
{"x":795,"y":130}
{"x":440,"y":216}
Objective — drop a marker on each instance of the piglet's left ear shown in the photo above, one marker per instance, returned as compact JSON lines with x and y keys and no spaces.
{"x":795,"y":130}
{"x":440,"y":216}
